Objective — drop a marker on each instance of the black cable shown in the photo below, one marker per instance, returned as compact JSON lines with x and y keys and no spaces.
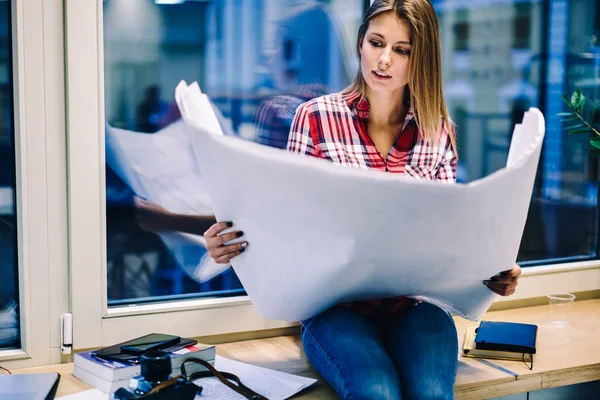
{"x":525,"y":362}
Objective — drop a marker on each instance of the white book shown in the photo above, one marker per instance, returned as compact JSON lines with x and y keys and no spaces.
{"x":97,"y":382}
{"x":111,"y":386}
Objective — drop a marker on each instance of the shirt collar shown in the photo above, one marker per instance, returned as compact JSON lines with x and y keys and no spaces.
{"x":360,"y":105}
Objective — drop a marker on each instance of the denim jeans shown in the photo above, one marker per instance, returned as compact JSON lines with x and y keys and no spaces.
{"x":411,"y":355}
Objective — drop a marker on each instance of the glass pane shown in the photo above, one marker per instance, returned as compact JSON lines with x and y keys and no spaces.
{"x":9,"y":296}
{"x":257,"y":60}
{"x":502,"y":57}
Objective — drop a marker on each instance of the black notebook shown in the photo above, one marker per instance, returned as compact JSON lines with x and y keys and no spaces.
{"x":506,"y":336}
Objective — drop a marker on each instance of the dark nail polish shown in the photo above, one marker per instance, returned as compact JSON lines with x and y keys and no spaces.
{"x":242,"y":250}
{"x":239,"y":234}
{"x":229,"y":224}
{"x":486,"y":283}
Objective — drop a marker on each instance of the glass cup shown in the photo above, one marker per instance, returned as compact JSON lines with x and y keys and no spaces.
{"x":560,"y":308}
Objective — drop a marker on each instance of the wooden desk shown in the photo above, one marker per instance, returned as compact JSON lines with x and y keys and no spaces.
{"x":565,"y":356}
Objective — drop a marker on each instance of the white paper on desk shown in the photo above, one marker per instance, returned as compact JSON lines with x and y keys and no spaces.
{"x":162,"y":168}
{"x":274,"y":385}
{"x":92,"y":394}
{"x":321,"y":234}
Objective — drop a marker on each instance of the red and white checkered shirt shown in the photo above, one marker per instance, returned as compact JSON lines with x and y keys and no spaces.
{"x":334,"y":127}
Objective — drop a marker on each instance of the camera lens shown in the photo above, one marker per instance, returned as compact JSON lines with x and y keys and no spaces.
{"x":156,"y":366}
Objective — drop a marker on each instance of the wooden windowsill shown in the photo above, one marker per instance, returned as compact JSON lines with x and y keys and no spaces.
{"x":564,"y":356}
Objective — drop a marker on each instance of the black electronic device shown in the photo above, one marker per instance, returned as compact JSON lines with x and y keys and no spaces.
{"x":115,"y":353}
{"x":153,"y":341}
{"x":155,"y":382}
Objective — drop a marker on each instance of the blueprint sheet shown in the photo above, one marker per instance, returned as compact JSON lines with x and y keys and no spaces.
{"x":321,"y":234}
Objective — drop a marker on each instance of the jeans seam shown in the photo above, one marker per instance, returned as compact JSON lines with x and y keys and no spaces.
{"x":330,"y":359}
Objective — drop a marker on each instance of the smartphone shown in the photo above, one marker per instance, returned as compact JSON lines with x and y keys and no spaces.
{"x":114,"y":352}
{"x":153,"y":341}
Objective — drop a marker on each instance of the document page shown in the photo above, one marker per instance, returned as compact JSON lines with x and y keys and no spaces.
{"x":271,"y":384}
{"x":322,"y":234}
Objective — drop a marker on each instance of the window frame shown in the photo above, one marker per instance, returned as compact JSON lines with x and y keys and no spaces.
{"x":97,"y":325}
{"x":41,"y":211}
{"x":93,"y":322}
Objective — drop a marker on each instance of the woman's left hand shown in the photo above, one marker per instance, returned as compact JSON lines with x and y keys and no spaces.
{"x":505,"y":282}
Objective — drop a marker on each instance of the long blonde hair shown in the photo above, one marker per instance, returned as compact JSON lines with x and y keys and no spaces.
{"x":425,"y":91}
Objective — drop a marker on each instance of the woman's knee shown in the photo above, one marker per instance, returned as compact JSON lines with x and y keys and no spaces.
{"x":374,"y":387}
{"x":427,"y":317}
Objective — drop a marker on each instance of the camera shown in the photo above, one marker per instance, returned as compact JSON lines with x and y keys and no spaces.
{"x":155,"y":382}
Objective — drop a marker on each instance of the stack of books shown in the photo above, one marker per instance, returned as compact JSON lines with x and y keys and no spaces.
{"x":501,"y":340}
{"x":108,"y":375}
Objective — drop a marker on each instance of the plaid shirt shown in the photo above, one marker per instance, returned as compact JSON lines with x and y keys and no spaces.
{"x":274,"y":116}
{"x":334,"y":127}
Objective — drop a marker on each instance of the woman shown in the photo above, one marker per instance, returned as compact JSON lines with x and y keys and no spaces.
{"x":392,"y":118}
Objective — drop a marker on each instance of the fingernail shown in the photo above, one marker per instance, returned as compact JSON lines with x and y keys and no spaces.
{"x":229,"y":224}
{"x":239,"y":234}
{"x":245,"y":244}
{"x":494,"y":279}
{"x":486,"y":283}
{"x":242,"y":250}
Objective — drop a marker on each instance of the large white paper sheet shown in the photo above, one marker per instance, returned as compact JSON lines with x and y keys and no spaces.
{"x":271,"y":384}
{"x":322,"y":234}
{"x":162,"y":168}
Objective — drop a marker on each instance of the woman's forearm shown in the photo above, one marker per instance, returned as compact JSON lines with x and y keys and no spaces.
{"x":194,"y":224}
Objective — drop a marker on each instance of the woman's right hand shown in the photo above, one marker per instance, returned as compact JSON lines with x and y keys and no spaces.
{"x":215,"y":242}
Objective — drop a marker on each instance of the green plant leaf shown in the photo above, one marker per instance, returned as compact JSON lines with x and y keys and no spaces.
{"x":580,"y":131}
{"x":595,"y":143}
{"x":577,"y":99}
{"x":566,"y":100}
{"x":576,"y":126}
{"x":565,"y":114}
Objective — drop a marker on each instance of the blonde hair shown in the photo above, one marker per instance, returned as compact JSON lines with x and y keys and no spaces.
{"x":425,"y":92}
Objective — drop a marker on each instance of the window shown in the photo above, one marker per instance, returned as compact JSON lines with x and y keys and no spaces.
{"x":461,"y":30}
{"x":509,"y":73}
{"x":522,"y":26}
{"x":255,"y":60}
{"x":33,"y":197}
{"x":255,"y":79}
{"x":248,"y":57}
{"x":10,"y":337}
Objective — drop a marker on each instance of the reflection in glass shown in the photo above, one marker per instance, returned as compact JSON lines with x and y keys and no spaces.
{"x":257,"y":60}
{"x":502,"y":57}
{"x":9,"y":297}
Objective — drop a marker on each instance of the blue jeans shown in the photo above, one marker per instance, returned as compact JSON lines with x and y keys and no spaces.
{"x":411,"y":355}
